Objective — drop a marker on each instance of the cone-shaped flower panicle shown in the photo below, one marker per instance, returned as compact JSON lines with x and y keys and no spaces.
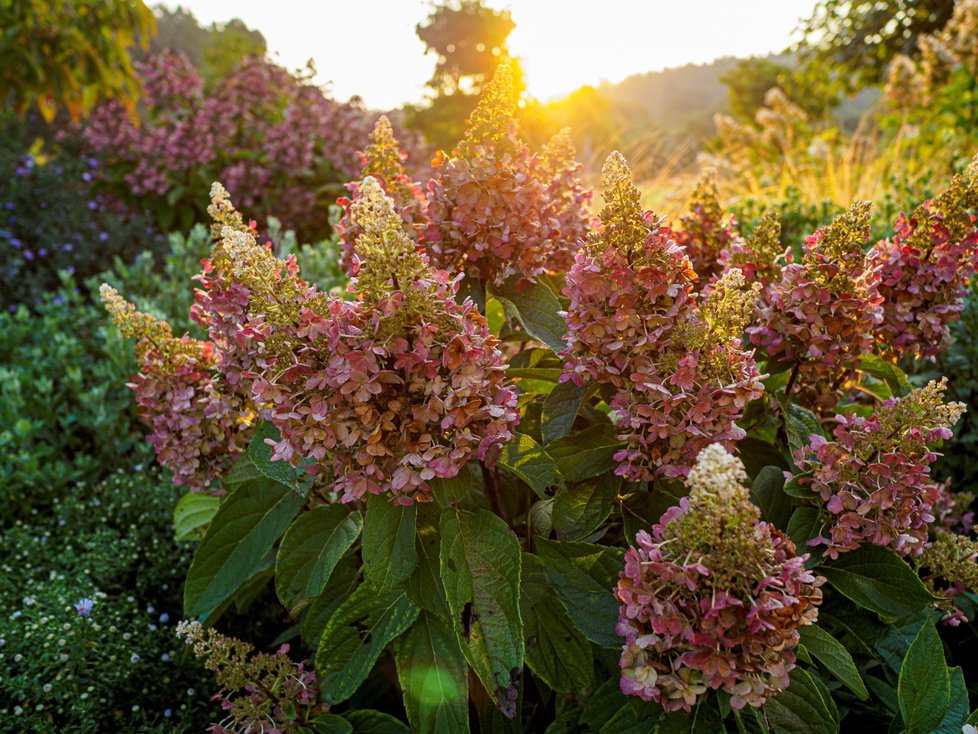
{"x":678,"y":378}
{"x":198,"y":423}
{"x":382,"y":160}
{"x":705,"y":231}
{"x":760,"y":255}
{"x":922,"y":271}
{"x":712,"y":598}
{"x":949,"y":566}
{"x":821,"y":314}
{"x":398,"y":387}
{"x":874,"y":479}
{"x":495,"y":210}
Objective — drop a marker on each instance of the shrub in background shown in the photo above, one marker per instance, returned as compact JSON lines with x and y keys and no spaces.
{"x":52,"y":217}
{"x":272,"y":137}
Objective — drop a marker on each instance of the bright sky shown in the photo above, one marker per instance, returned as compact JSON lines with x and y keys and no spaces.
{"x":369,"y":48}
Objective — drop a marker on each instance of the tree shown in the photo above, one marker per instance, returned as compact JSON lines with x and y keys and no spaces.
{"x":861,"y":37}
{"x":812,"y":87}
{"x":69,"y":55}
{"x":469,"y":40}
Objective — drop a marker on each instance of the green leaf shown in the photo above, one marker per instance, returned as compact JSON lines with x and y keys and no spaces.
{"x":526,"y":459}
{"x":331,"y":724}
{"x":242,"y":533}
{"x":586,"y":454}
{"x":367,"y":721}
{"x":581,"y":508}
{"x":451,"y":491}
{"x":767,"y":492}
{"x":260,"y":454}
{"x":924,"y":685}
{"x":608,"y":711}
{"x":555,"y":650}
{"x":800,"y":424}
{"x":310,"y":550}
{"x":545,"y":374}
{"x":480,"y":567}
{"x":805,"y":523}
{"x":536,"y":307}
{"x":342,"y":582}
{"x":873,"y":365}
{"x":424,"y":587}
{"x":389,"y":553}
{"x":560,"y":409}
{"x":879,"y":580}
{"x":434,"y":677}
{"x":193,"y":514}
{"x":703,"y":719}
{"x":957,"y":712}
{"x":805,"y":707}
{"x":583,"y":577}
{"x":831,"y":653}
{"x":356,"y":635}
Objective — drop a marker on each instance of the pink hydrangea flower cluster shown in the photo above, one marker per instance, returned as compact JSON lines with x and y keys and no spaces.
{"x":384,"y":161}
{"x":383,"y":393}
{"x":873,"y":478}
{"x":706,"y":232}
{"x":198,"y":423}
{"x":272,"y":137}
{"x":921,"y":273}
{"x":495,"y":209}
{"x":677,"y":377}
{"x":821,"y":314}
{"x":713,"y":597}
{"x":759,"y":256}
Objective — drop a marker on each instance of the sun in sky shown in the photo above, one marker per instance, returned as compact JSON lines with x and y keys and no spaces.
{"x":370,"y":49}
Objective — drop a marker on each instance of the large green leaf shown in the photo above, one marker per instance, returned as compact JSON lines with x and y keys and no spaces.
{"x":480,"y":567}
{"x":425,"y":587}
{"x":800,"y":424}
{"x":389,"y":553}
{"x":193,"y":514}
{"x":873,"y":365}
{"x":242,"y":534}
{"x":342,"y":583}
{"x":356,"y":635}
{"x":367,"y":721}
{"x":434,"y":677}
{"x":806,"y":707}
{"x":586,"y":454}
{"x":451,"y":491}
{"x":879,"y":580}
{"x":581,"y":508}
{"x":555,"y":650}
{"x":560,"y":409}
{"x":260,"y":454}
{"x":831,"y":653}
{"x":310,"y":550}
{"x":767,"y":492}
{"x":583,"y":577}
{"x":924,"y":685}
{"x":526,"y":459}
{"x":536,"y":307}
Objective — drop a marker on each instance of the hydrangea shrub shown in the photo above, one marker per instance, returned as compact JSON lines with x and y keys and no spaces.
{"x":608,"y":493}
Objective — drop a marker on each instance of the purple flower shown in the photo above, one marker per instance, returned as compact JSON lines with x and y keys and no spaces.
{"x":103,"y":236}
{"x":67,"y":247}
{"x":14,"y":242}
{"x":93,"y":205}
{"x":84,"y":607}
{"x":86,"y":176}
{"x":28,"y":255}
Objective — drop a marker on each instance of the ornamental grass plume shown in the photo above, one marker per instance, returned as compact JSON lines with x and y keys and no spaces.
{"x":496,"y":210}
{"x":198,"y":423}
{"x":260,"y":692}
{"x":921,"y":273}
{"x":383,"y":160}
{"x":705,"y":231}
{"x":675,"y":371}
{"x":713,"y":597}
{"x":874,"y":478}
{"x":820,"y":316}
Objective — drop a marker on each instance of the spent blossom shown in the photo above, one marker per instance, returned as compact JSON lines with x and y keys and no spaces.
{"x":259,"y":692}
{"x":873,"y":476}
{"x":921,"y":272}
{"x":821,"y":314}
{"x":198,"y":424}
{"x":495,"y":209}
{"x":713,"y":597}
{"x":673,"y":363}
